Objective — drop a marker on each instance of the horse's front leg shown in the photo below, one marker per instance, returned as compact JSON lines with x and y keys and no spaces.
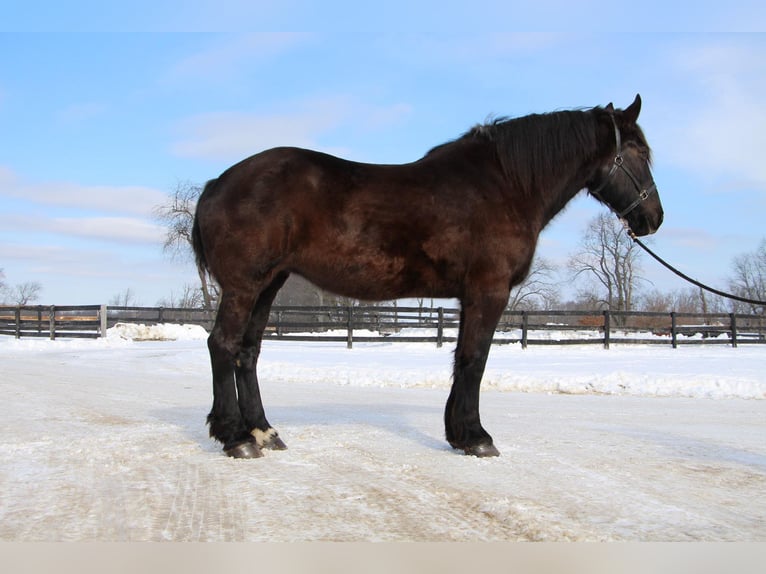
{"x":478,"y":319}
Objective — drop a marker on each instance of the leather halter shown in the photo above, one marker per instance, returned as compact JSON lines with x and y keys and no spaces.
{"x":619,"y":163}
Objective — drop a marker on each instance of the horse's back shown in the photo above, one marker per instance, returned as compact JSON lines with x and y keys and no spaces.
{"x":283,"y":170}
{"x":370,"y":231}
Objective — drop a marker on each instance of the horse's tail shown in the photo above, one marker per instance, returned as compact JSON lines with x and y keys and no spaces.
{"x":197,"y":244}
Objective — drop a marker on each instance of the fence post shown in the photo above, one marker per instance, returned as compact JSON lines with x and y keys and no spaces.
{"x":39,"y":320}
{"x":440,"y":328}
{"x":17,"y":317}
{"x":161,"y":315}
{"x":102,"y":313}
{"x":673,"y":333}
{"x":52,"y":322}
{"x":350,"y":327}
{"x":733,"y":319}
{"x":607,"y":329}
{"x":524,"y":328}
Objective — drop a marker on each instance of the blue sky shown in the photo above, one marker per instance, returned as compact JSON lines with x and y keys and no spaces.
{"x":97,"y":128}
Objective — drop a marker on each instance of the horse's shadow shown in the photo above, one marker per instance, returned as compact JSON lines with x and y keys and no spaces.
{"x":394,"y":419}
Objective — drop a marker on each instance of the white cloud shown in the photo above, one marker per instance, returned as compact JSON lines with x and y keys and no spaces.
{"x":120,"y":229}
{"x":35,"y":260}
{"x":131,"y":230}
{"x":480,"y":52}
{"x":32,"y":253}
{"x":721,"y":133}
{"x":233,"y":135}
{"x":116,"y":214}
{"x":130,"y":200}
{"x":224,"y":58}
{"x":90,"y":273}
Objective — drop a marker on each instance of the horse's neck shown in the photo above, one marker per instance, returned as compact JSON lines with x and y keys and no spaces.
{"x":555,"y":173}
{"x":553,"y":203}
{"x":552,"y":195}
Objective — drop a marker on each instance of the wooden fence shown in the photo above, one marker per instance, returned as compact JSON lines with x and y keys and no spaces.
{"x":407,"y":324}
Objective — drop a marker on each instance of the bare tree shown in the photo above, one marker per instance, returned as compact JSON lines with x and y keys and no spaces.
{"x":749,"y":278}
{"x":610,"y":258}
{"x":691,"y":300}
{"x":538,"y":290}
{"x":178,"y":217}
{"x":189,"y":298}
{"x":23,"y":293}
{"x":126,"y":298}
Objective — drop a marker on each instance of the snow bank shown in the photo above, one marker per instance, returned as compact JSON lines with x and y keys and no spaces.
{"x":161,"y":332}
{"x":692,"y":371}
{"x":709,"y":372}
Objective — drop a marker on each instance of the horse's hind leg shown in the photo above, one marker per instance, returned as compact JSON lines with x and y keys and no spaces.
{"x":249,"y":393}
{"x":225,"y":342}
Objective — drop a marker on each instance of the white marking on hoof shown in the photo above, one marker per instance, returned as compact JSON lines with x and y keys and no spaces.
{"x":264,"y":438}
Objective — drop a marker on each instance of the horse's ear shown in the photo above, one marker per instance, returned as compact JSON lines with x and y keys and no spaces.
{"x":610,"y":108}
{"x":631,"y":112}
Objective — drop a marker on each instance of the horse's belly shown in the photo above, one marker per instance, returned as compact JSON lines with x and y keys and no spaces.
{"x":375,"y":277}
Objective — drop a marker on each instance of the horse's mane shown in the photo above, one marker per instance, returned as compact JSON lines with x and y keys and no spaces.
{"x":533,"y":149}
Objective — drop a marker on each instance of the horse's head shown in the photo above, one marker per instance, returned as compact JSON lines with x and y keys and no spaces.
{"x":624,"y":183}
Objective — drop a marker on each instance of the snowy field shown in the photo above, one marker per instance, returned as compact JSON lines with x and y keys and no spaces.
{"x":104,"y":440}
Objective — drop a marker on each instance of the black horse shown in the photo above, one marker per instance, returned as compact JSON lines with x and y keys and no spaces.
{"x":461,"y":222}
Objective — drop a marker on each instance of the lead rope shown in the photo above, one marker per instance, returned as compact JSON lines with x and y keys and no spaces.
{"x":689,"y":279}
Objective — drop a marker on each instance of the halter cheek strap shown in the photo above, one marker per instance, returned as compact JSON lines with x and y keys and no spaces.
{"x":619,"y":163}
{"x":615,"y":165}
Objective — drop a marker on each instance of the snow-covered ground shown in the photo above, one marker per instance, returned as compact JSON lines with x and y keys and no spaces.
{"x":105,"y":440}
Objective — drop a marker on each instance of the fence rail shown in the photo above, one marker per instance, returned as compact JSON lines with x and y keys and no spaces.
{"x":407,"y":324}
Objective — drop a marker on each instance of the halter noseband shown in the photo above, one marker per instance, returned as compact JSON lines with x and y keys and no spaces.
{"x":618,"y":163}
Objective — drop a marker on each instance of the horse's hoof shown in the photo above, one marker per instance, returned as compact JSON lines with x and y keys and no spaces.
{"x":268,"y":439}
{"x":482,"y":450}
{"x":247,"y":449}
{"x":275,"y":443}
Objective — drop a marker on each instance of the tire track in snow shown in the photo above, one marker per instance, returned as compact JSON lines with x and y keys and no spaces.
{"x":200,"y":509}
{"x":364,"y":497}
